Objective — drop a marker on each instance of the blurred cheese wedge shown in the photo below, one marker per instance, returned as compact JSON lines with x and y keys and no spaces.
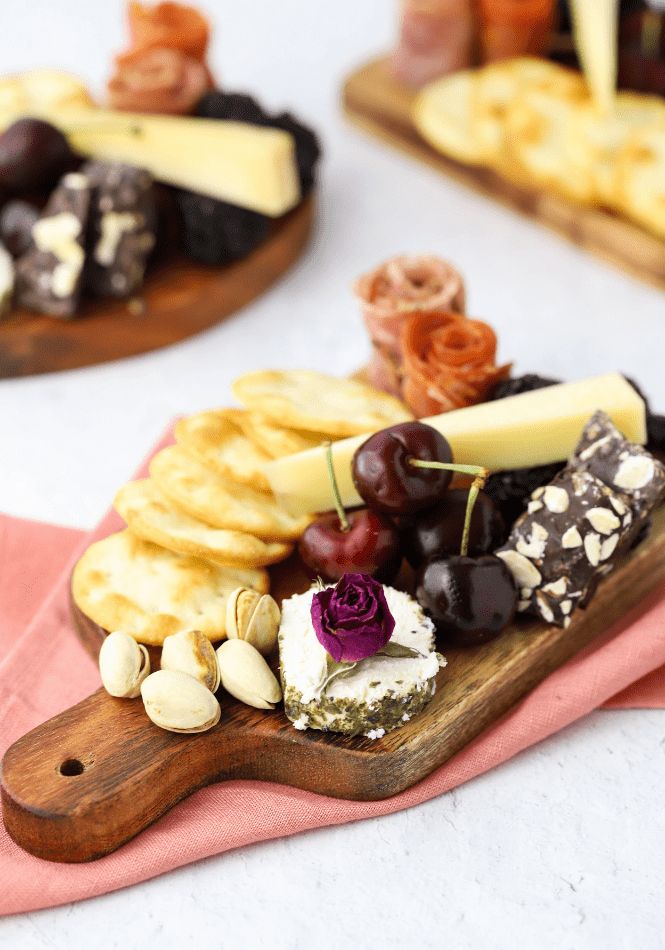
{"x":534,"y":428}
{"x":442,"y":115}
{"x":595,"y":24}
{"x":640,"y":177}
{"x":232,"y":161}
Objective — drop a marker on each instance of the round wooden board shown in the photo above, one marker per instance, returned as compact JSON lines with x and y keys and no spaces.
{"x":180,"y":298}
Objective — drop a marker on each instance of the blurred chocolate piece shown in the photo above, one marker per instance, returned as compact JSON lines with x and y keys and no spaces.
{"x":49,"y":276}
{"x":16,"y":222}
{"x":122,"y":228}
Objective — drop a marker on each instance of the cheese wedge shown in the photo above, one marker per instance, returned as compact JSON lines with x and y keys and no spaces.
{"x":232,"y":161}
{"x":595,"y":24}
{"x":535,"y":428}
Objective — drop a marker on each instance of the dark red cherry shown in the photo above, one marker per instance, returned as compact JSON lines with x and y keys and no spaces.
{"x":437,"y":532}
{"x":384,"y":476}
{"x":471,"y":600}
{"x":33,"y":154}
{"x":369,"y":546}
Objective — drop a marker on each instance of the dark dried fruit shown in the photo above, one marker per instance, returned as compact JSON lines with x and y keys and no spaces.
{"x":521,"y":384}
{"x":510,"y":490}
{"x":33,"y":155}
{"x":233,"y":106}
{"x":215,"y":232}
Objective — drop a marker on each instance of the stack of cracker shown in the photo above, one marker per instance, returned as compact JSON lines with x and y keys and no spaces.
{"x":536,"y":124}
{"x":205,"y":522}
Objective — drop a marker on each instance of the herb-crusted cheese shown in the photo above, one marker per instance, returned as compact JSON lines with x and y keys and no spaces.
{"x":379,"y":694}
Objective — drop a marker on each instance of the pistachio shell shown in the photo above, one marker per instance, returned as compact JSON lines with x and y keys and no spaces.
{"x":123,"y":665}
{"x":253,"y":617}
{"x":191,"y":652}
{"x":239,"y":609}
{"x":179,"y":703}
{"x":247,"y":676}
{"x":263,"y":626}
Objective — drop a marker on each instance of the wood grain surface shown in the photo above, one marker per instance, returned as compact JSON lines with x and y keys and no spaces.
{"x":87,"y":781}
{"x":374,"y":100}
{"x":179,"y":298}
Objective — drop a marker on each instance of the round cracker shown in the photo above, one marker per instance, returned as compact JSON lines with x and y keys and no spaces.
{"x":275,"y":439}
{"x":536,"y":134}
{"x":596,"y":139}
{"x":151,"y":516}
{"x":125,"y":583}
{"x":442,"y":114}
{"x":304,"y":399}
{"x":216,"y":438}
{"x":496,"y":88}
{"x":202,"y":494}
{"x":640,"y":177}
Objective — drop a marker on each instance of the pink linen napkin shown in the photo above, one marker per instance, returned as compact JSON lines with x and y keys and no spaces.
{"x":44,"y":669}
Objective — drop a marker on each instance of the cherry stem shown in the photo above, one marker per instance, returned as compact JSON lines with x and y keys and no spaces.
{"x":451,"y":467}
{"x":476,"y":486}
{"x":339,"y":507}
{"x":480,"y":476}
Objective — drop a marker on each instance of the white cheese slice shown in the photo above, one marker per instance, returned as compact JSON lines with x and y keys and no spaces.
{"x":535,"y":428}
{"x":381,"y":693}
{"x":232,"y":161}
{"x":595,"y":25}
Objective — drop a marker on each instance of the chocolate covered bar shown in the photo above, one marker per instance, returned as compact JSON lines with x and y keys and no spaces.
{"x":122,"y":228}
{"x":49,"y":276}
{"x":577,"y":527}
{"x":625,"y":467}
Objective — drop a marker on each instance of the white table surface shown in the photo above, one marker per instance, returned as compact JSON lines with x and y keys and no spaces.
{"x":561,"y":847}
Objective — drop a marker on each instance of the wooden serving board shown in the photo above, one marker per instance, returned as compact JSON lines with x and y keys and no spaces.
{"x":179,"y":298}
{"x":87,"y":781}
{"x":381,"y":105}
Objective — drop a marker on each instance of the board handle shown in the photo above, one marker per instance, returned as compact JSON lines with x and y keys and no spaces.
{"x":88,"y":780}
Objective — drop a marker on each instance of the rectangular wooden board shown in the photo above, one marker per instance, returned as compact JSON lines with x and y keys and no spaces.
{"x":378,"y":103}
{"x":85,"y":782}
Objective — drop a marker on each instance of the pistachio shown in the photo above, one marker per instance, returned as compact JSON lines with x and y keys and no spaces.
{"x":247,"y":676}
{"x":191,"y":652}
{"x":177,"y":702}
{"x":253,"y":617}
{"x":123,"y":665}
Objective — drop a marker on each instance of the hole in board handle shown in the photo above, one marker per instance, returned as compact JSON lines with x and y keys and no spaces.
{"x":71,"y":767}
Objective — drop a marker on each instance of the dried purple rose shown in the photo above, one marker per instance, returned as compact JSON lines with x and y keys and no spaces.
{"x":352,"y":620}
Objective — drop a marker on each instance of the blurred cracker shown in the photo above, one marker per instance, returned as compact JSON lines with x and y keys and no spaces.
{"x":152,"y":517}
{"x":537,"y":132}
{"x":304,"y":399}
{"x":640,"y":177}
{"x":276,"y":440}
{"x":216,"y":438}
{"x":125,"y":583}
{"x":495,"y":89}
{"x":597,"y":138}
{"x":442,"y":114}
{"x":202,"y":494}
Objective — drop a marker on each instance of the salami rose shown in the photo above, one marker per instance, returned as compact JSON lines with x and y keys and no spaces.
{"x":168,"y":26}
{"x":393,"y":291}
{"x":165,"y":81}
{"x":448,"y":362}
